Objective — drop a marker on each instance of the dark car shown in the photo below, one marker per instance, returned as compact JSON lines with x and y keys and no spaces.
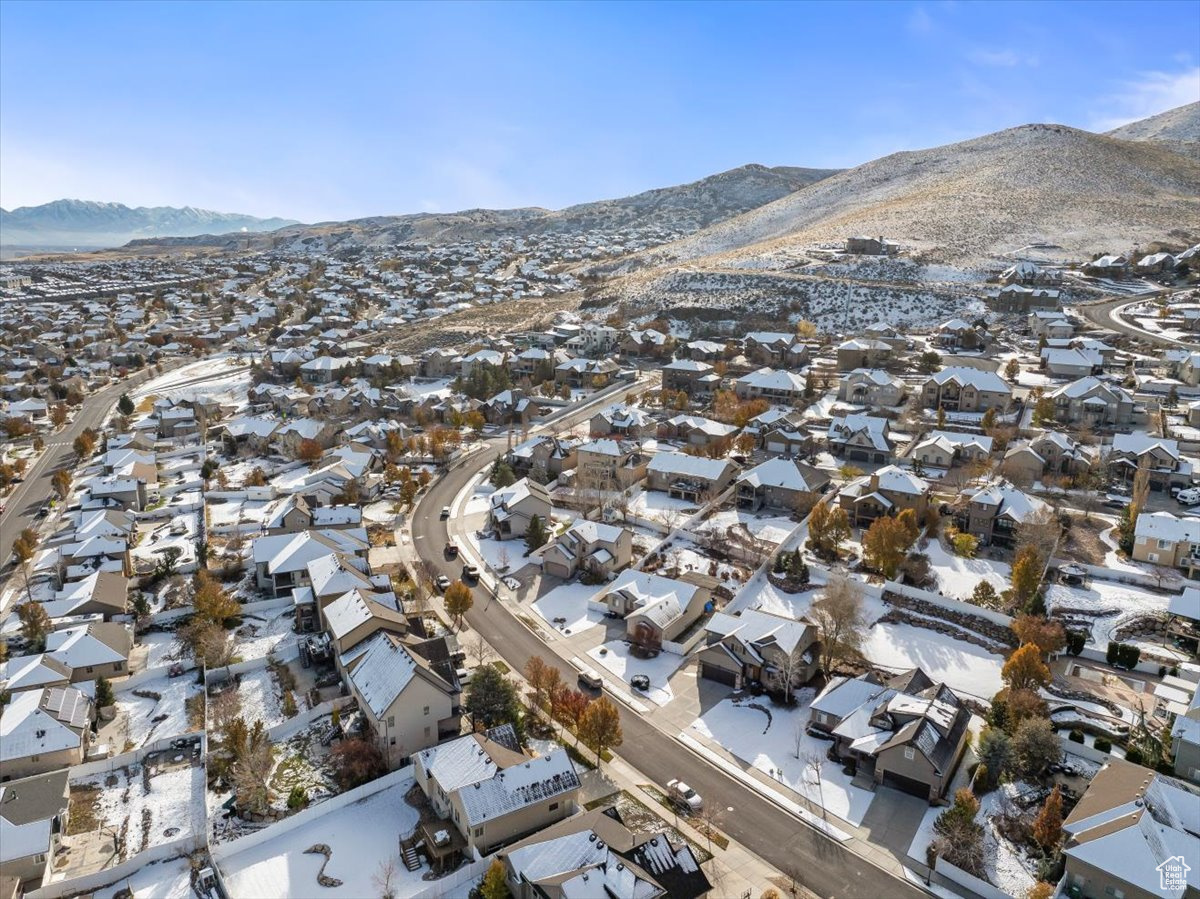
{"x":470,"y":572}
{"x":451,"y":549}
{"x":640,"y":682}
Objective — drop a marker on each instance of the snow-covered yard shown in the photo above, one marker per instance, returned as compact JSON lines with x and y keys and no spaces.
{"x":1006,"y":866}
{"x":260,"y":699}
{"x":502,"y":556}
{"x":964,"y":667}
{"x":164,"y":807}
{"x":170,"y":879}
{"x":361,"y":837}
{"x":148,"y":718}
{"x":616,"y":657}
{"x":657,"y":506}
{"x":161,"y":648}
{"x":1120,"y":602}
{"x":265,"y":633}
{"x":770,"y":742}
{"x":569,"y":602}
{"x":957,"y":577}
{"x":772,"y":528}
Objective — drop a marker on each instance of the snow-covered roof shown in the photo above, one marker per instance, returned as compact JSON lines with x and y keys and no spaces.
{"x":783,"y":473}
{"x":40,"y":722}
{"x":1165,"y":526}
{"x":1010,"y":501}
{"x":773,"y":379}
{"x":842,"y":695}
{"x":519,"y":786}
{"x":1138,"y":442}
{"x":382,"y":668}
{"x":688,"y":466}
{"x":972,"y":377}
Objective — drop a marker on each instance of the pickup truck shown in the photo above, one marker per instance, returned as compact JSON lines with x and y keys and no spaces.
{"x":684,"y":797}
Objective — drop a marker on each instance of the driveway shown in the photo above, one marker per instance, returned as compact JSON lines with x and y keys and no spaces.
{"x":893,"y":819}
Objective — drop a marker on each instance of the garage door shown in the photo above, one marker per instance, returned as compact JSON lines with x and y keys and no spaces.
{"x":859,"y":455}
{"x":720,"y":675}
{"x":906,"y":784}
{"x":776,"y":446}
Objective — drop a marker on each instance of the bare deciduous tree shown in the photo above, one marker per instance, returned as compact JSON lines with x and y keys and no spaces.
{"x":840,"y":620}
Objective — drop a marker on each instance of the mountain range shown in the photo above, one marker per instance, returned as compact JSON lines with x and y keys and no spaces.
{"x":964,"y":204}
{"x":88,"y":225}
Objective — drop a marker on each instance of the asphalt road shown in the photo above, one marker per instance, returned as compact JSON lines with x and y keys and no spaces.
{"x":823,"y":865}
{"x":1101,"y":314}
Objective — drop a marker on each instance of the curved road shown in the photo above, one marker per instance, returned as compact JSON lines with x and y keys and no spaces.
{"x":822,"y":864}
{"x":1101,"y":313}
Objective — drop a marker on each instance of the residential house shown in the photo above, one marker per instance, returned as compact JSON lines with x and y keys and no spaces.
{"x":692,"y":376}
{"x":33,"y":672}
{"x":512,"y":508}
{"x":962,"y":389}
{"x":33,"y":817}
{"x":760,"y":647}
{"x":888,"y":491}
{"x":606,"y":465}
{"x":648,"y":343}
{"x":1017,"y":298}
{"x":295,"y":514}
{"x":958,"y":334}
{"x":601,"y":550}
{"x":695,"y":430}
{"x":691,"y":478}
{"x":908,"y":733}
{"x":656,"y":609}
{"x":1108,"y":266}
{"x":860,"y":438}
{"x":995,"y":513}
{"x":596,"y":854}
{"x":1159,"y":456}
{"x":1051,"y":452}
{"x":774,"y":348}
{"x":1161,"y":538}
{"x":1135,"y":834}
{"x":1094,"y":403}
{"x":543,"y":458}
{"x":1052,"y":324}
{"x":782,"y":484}
{"x":871,"y":387}
{"x":96,"y":649}
{"x":508,"y":407}
{"x":585,"y":373}
{"x":44,"y":730}
{"x":783,"y":387}
{"x":492,"y":794}
{"x":281,"y":561}
{"x":357,"y":615}
{"x":407,"y":704}
{"x":1185,"y":731}
{"x":945,"y":449}
{"x":870,"y":246}
{"x":621,"y":420}
{"x":863,"y":352}
{"x":1070,"y":362}
{"x":1029,"y":273}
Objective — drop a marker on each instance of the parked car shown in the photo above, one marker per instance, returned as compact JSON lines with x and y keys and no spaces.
{"x":589,"y":678}
{"x":1188,"y":497}
{"x":451,"y":549}
{"x":445,"y":512}
{"x":442,"y":582}
{"x":684,"y":797}
{"x":470,"y":572}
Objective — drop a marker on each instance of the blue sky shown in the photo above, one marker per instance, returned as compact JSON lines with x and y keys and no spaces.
{"x":317,"y":112}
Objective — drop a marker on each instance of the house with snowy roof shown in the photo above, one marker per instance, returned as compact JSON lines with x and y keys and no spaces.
{"x":1094,"y":403}
{"x":1159,"y":456}
{"x":1134,"y":833}
{"x":945,"y":449}
{"x":621,"y":420}
{"x":778,"y":483}
{"x":33,"y":816}
{"x":543,"y":458}
{"x":863,"y":352}
{"x":693,"y":376}
{"x":690,"y":478}
{"x":92,"y":650}
{"x":888,"y":491}
{"x":408,"y":705}
{"x":44,"y":730}
{"x":510,"y":509}
{"x":1165,"y":539}
{"x":491,"y":793}
{"x":580,"y":373}
{"x":607,"y":464}
{"x":596,"y":854}
{"x":281,"y":560}
{"x":656,"y":609}
{"x":908,"y":732}
{"x":994,"y":513}
{"x":957,"y":333}
{"x":696,"y":430}
{"x":774,"y":348}
{"x":962,"y":389}
{"x":759,"y":647}
{"x":1051,"y":452}
{"x":773,"y":385}
{"x":870,"y":387}
{"x":600,"y":549}
{"x":860,"y":438}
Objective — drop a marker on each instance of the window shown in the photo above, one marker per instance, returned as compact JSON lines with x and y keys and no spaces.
{"x":391,"y":720}
{"x":34,"y":758}
{"x":553,"y":807}
{"x":427,"y":733}
{"x":90,"y":669}
{"x":426,"y":710}
{"x":477,"y":832}
{"x":393,"y":741}
{"x":910,"y":753}
{"x":1164,"y":544}
{"x":1153,"y":557}
{"x":118,"y":666}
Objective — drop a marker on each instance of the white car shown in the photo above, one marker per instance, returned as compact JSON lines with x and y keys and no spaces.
{"x":1189,"y":497}
{"x":684,"y":796}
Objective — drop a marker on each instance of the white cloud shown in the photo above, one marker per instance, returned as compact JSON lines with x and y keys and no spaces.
{"x":1006,"y":58}
{"x":1150,"y":94}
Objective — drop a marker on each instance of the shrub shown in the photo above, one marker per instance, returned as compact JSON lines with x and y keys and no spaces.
{"x":1134,"y":756}
{"x":1103,"y":744}
{"x":1075,"y":736}
{"x":298,"y":798}
{"x":965,"y":545}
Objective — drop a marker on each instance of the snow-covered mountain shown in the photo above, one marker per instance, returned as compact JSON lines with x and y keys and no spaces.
{"x":83,"y":223}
